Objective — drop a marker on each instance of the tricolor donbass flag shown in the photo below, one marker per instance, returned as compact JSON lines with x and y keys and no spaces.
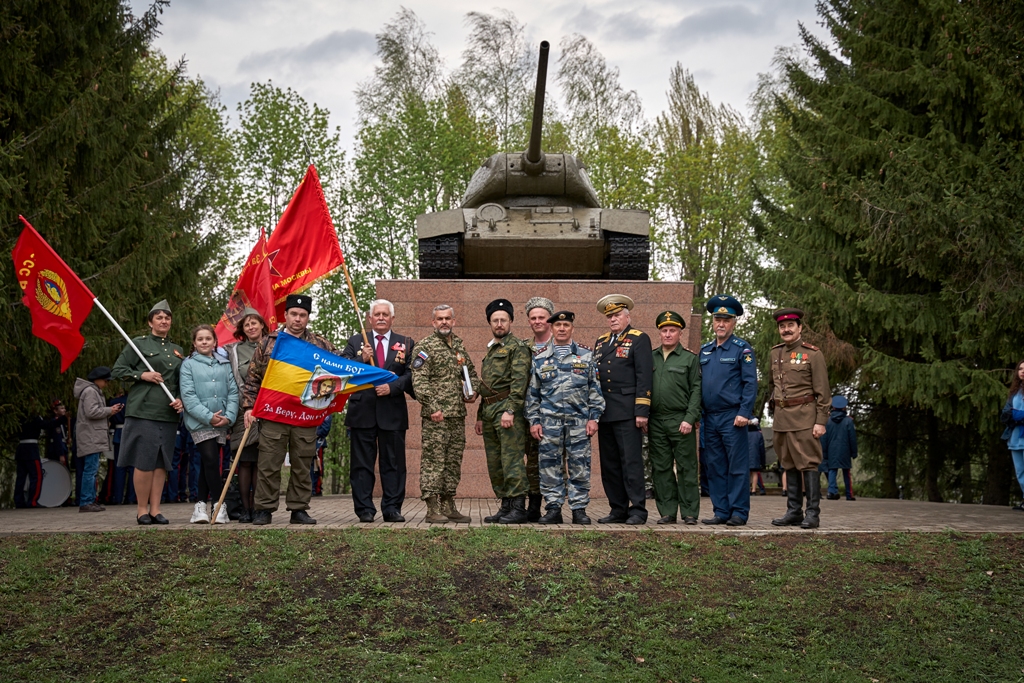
{"x":303,"y":384}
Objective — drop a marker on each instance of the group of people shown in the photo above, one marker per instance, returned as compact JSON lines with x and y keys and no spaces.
{"x":541,"y":400}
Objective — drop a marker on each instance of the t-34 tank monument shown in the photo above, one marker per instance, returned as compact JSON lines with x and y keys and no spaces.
{"x":533,"y":214}
{"x":529,"y":225}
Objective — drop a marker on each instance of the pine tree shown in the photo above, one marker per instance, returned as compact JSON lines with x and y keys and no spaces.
{"x":109,"y":153}
{"x":900,"y":232}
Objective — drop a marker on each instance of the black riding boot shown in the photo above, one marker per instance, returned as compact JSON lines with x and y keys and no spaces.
{"x":812,"y":487}
{"x":533,"y":512}
{"x":506,"y":507}
{"x":794,"y":500}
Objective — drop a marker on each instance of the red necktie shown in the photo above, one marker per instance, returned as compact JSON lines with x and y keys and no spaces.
{"x":380,"y":350}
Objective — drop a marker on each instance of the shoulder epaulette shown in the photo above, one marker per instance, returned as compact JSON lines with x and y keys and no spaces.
{"x":739,"y":342}
{"x":778,"y":345}
{"x":605,"y":336}
{"x":810,"y":346}
{"x":583,"y":346}
{"x":635,"y":332}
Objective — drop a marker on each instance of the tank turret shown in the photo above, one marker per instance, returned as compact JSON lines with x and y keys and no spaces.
{"x":533,"y":214}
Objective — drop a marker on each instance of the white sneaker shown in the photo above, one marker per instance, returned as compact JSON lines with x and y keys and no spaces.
{"x":222,"y":516}
{"x":200,"y":515}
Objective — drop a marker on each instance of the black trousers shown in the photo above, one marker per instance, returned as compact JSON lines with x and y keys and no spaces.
{"x":622,"y":467}
{"x":210,"y":481}
{"x":367,"y":446}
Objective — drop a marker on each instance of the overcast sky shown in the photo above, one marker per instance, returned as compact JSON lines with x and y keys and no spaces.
{"x":324,"y":48}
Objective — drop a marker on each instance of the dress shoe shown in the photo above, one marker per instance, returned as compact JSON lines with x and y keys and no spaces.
{"x":245,"y":517}
{"x":552,"y":516}
{"x":690,"y":521}
{"x":635,"y":520}
{"x":144,"y":520}
{"x":714,"y":520}
{"x":301,"y":517}
{"x":580,"y":516}
{"x":92,"y":507}
{"x":832,"y":496}
{"x":393,"y":517}
{"x":667,"y":519}
{"x":261,"y":517}
{"x":855,"y":498}
{"x":159,"y":519}
{"x":612,"y":519}
{"x":366,"y":518}
{"x":736,"y":521}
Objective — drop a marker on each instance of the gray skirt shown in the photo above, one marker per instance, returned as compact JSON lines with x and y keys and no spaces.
{"x":147,"y":445}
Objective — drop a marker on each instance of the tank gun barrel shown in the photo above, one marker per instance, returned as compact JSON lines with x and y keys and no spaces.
{"x":534,"y":155}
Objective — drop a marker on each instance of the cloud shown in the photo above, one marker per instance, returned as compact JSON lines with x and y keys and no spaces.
{"x":336,"y":46}
{"x":722,"y":20}
{"x":628,"y":26}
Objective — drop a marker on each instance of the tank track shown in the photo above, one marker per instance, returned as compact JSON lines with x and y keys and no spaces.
{"x":629,"y":257}
{"x":440,"y":257}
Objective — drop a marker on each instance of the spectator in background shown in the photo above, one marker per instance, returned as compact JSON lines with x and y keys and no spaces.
{"x":316,"y":468}
{"x":114,"y":493}
{"x":1013,"y":417}
{"x":58,"y":434}
{"x":91,"y":433}
{"x":755,"y":441}
{"x":839,"y":448}
{"x":26,"y":456}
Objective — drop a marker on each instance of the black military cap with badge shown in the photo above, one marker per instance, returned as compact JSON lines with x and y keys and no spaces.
{"x":562,"y":316}
{"x":303,"y":301}
{"x":500,"y":305}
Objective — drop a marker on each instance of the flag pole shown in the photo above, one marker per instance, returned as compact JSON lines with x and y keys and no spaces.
{"x":135,"y":348}
{"x":231,"y":473}
{"x":352,"y":293}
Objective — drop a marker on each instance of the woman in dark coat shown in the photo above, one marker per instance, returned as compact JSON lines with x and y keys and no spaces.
{"x":839,"y":448}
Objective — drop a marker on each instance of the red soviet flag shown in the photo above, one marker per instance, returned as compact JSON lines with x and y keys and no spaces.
{"x":58,"y":301}
{"x":304,"y":246}
{"x":252,"y":290}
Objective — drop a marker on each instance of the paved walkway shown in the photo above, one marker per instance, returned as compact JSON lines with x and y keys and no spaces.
{"x":865,"y":515}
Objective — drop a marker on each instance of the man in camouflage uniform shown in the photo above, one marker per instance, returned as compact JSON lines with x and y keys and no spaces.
{"x":504,"y":374}
{"x":437,"y":382}
{"x":563,"y":405}
{"x":538,"y":310}
{"x":276,"y":438}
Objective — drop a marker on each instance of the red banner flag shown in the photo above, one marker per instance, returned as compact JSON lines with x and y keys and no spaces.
{"x":252,"y":290}
{"x":304,"y":246}
{"x":57,"y":299}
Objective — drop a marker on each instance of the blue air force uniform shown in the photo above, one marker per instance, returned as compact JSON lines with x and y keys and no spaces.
{"x":728,"y":389}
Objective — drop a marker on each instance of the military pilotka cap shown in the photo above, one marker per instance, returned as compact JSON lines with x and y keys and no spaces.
{"x":161,"y":305}
{"x":788,"y":314}
{"x":669,"y":318}
{"x":303,"y":301}
{"x":613,"y":303}
{"x":724,"y":306}
{"x":564,"y":316}
{"x":500,"y":305}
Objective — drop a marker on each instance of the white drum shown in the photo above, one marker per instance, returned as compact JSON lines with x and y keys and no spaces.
{"x":56,"y":484}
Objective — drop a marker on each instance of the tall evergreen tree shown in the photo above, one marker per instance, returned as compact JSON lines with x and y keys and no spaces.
{"x":901,"y":232}
{"x":95,"y":150}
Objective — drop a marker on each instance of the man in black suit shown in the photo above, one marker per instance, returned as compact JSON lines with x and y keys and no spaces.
{"x":379,"y":419}
{"x":625,"y":366}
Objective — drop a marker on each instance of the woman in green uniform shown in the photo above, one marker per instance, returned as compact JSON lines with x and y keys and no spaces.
{"x":151,"y":420}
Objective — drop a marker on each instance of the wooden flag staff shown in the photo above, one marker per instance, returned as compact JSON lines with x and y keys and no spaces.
{"x":352,"y":293}
{"x":96,"y":302}
{"x":231,"y":473}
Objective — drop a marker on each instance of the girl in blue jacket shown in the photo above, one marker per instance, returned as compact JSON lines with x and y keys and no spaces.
{"x":210,"y":397}
{"x":1013,"y":417}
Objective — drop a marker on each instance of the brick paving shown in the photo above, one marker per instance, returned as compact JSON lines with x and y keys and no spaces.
{"x":864,"y":515}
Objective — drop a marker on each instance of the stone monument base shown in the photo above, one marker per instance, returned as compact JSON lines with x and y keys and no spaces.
{"x":414,"y":301}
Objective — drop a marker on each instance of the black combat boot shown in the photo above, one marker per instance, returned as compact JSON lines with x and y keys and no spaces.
{"x":812,"y":487}
{"x":579,"y":516}
{"x":506,"y":507}
{"x":794,"y":500}
{"x":533,"y":512}
{"x":517,"y":515}
{"x":553,"y":516}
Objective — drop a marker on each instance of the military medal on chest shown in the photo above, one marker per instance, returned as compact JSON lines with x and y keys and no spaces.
{"x":797,"y":358}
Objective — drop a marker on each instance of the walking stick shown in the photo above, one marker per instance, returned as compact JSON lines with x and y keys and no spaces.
{"x":231,"y":473}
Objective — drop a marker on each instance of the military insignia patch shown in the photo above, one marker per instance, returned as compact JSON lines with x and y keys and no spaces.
{"x":421,"y":358}
{"x":748,"y":358}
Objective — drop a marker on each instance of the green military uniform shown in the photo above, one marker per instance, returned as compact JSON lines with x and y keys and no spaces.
{"x":147,"y":400}
{"x":504,"y":377}
{"x":675,"y":398}
{"x":437,"y":382}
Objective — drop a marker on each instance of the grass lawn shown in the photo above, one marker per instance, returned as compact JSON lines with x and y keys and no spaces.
{"x":509,"y":605}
